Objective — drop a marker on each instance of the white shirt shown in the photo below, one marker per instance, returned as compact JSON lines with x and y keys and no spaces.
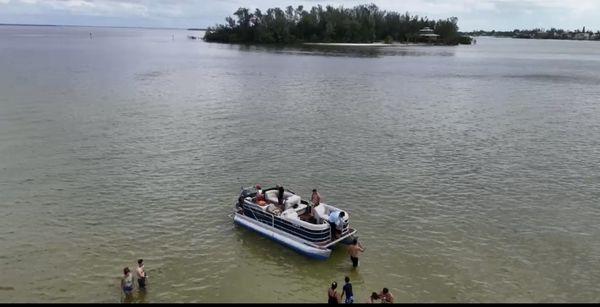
{"x":335,"y":218}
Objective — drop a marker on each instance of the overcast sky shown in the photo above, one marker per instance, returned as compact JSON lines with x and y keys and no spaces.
{"x":472,"y":14}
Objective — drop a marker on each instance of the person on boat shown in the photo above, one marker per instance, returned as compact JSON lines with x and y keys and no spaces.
{"x":260,"y":196}
{"x":374,"y":298}
{"x":315,"y":199}
{"x":336,"y":221}
{"x":354,"y":250}
{"x":332,"y":295}
{"x":386,"y":296}
{"x":347,"y":290}
{"x":141,"y":275}
{"x":280,"y":196}
{"x":127,"y":282}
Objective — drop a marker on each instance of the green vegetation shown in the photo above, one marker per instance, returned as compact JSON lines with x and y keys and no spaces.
{"x":360,"y":24}
{"x":552,"y":33}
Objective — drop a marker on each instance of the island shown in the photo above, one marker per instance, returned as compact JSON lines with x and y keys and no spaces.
{"x":360,"y":25}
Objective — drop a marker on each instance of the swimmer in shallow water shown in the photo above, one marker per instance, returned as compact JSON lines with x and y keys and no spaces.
{"x":127,"y":282}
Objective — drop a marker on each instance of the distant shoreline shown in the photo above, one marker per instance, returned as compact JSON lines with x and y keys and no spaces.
{"x":84,"y":26}
{"x":379,"y":44}
{"x":27,"y":25}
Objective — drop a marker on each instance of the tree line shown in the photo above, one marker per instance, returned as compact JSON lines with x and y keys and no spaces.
{"x":360,"y":24}
{"x":537,"y":33}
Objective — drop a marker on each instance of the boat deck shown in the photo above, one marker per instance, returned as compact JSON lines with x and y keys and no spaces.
{"x":307,"y":218}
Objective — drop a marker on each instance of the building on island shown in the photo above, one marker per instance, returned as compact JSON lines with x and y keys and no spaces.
{"x":582,"y":36}
{"x":427,"y":35}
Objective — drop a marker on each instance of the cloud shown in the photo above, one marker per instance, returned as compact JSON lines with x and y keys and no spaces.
{"x":472,"y":14}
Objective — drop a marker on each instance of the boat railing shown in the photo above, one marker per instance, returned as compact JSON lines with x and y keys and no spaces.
{"x":290,"y":227}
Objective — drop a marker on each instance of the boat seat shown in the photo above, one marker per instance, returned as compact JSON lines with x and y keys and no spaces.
{"x":321,"y":213}
{"x":301,"y":208}
{"x":290,"y":214}
{"x":271,"y":196}
{"x":292,"y":202}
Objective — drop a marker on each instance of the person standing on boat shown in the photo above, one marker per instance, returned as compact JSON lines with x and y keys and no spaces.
{"x":315,"y":198}
{"x":280,"y":196}
{"x":336,"y":221}
{"x":354,"y":249}
{"x":347,"y":290}
{"x":332,"y":295}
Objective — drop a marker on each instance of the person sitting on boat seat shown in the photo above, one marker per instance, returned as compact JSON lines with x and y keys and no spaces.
{"x":336,"y":222}
{"x":260,"y":196}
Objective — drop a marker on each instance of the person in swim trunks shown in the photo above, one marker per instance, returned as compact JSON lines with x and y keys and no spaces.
{"x":354,"y":250}
{"x":347,"y":290}
{"x":332,"y":295}
{"x":141,"y":275}
{"x":127,"y":282}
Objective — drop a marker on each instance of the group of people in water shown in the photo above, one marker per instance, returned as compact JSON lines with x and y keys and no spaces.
{"x":333,"y":297}
{"x":127,"y":281}
{"x":335,"y":220}
{"x":354,"y":250}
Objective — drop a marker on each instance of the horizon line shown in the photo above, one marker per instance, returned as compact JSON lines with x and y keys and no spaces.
{"x":98,"y":26}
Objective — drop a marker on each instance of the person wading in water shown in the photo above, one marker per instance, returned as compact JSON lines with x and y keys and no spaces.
{"x":354,"y":250}
{"x":347,"y":290}
{"x":141,"y":275}
{"x":127,"y":283}
{"x":332,"y":295}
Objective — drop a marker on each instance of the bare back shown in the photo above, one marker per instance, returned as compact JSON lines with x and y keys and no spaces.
{"x":354,"y":250}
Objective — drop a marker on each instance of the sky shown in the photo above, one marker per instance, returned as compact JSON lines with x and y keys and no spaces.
{"x":472,"y":14}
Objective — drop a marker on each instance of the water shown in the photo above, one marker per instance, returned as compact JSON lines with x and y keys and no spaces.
{"x":471,"y":172}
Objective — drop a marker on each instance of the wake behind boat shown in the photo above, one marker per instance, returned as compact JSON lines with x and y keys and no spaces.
{"x":284,"y":217}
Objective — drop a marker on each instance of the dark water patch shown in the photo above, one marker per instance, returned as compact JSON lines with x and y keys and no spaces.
{"x":555,"y":78}
{"x":350,"y":51}
{"x":151,"y":75}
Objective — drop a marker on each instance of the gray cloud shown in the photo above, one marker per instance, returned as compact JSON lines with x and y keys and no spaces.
{"x":472,"y":14}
